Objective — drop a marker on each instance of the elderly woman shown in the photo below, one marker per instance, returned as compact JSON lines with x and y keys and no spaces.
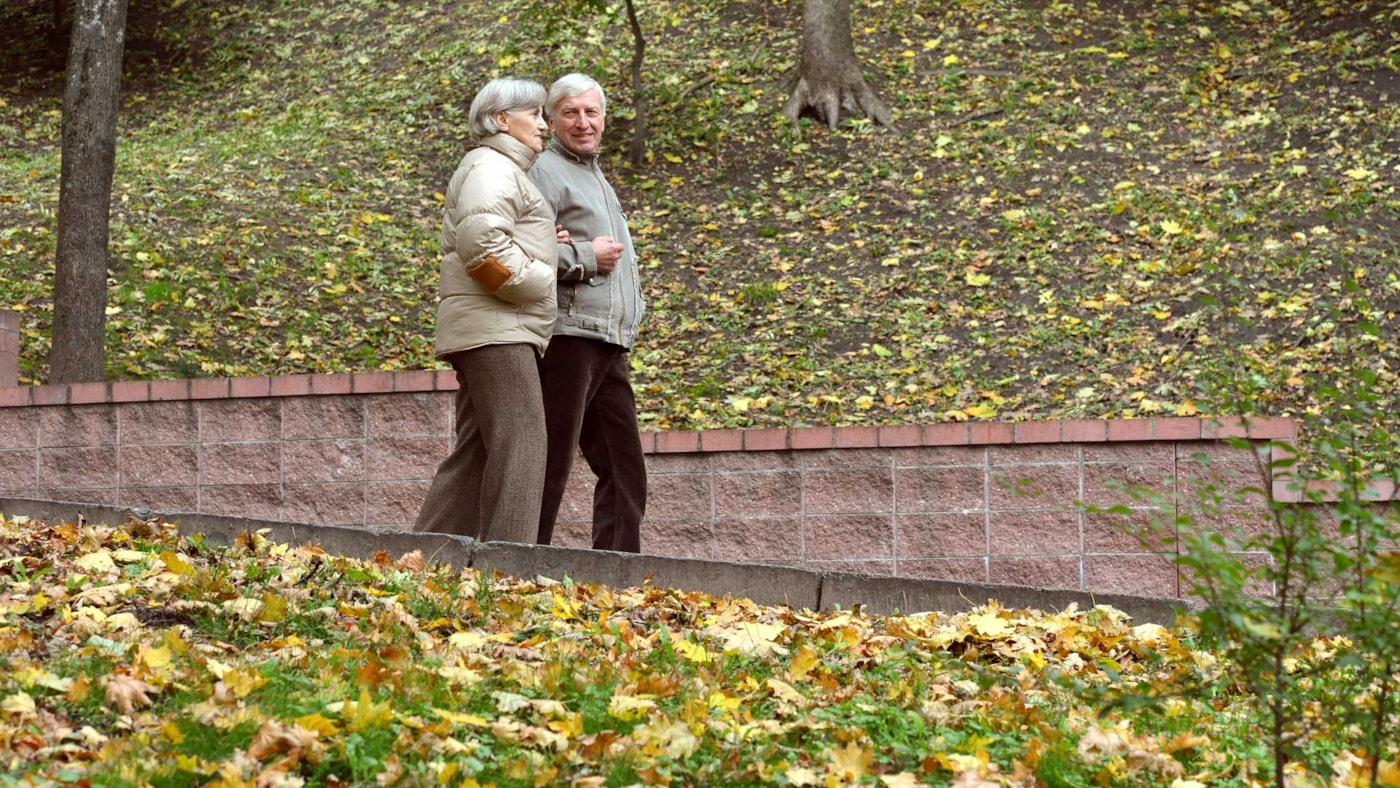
{"x":495,"y":316}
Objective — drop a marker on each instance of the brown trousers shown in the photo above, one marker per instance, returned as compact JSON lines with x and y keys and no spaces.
{"x":489,"y":486}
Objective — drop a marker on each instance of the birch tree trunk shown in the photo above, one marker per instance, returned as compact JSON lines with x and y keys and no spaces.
{"x":90,"y":104}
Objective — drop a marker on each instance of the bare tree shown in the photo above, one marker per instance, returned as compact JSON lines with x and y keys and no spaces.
{"x":90,"y":104}
{"x":829,"y":78}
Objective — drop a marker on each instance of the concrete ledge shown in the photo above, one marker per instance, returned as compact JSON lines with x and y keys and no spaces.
{"x":886,"y":595}
{"x":763,"y":583}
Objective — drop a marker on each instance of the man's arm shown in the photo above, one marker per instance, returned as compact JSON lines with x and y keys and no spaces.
{"x":578,"y":260}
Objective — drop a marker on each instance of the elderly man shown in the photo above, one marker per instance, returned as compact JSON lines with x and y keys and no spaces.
{"x":588,"y":398}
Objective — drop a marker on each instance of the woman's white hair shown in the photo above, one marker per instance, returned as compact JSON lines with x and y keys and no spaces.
{"x":501,"y":95}
{"x":571,"y":85}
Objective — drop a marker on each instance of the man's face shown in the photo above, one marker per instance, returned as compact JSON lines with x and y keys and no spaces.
{"x":578,"y":122}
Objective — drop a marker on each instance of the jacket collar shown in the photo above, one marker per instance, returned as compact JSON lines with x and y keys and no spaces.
{"x":559,"y":148}
{"x":511,"y":148}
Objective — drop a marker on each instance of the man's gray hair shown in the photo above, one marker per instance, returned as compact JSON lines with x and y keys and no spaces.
{"x":571,"y":85}
{"x":505,"y":94}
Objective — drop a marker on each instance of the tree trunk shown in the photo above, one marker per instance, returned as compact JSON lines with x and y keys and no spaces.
{"x":90,"y":104}
{"x":637,"y":150}
{"x":829,"y":77}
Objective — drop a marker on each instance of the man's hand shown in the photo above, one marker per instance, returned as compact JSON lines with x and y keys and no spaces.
{"x":561,"y":235}
{"x":607,"y":251}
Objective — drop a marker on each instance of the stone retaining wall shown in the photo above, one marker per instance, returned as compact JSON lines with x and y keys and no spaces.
{"x":976,"y":502}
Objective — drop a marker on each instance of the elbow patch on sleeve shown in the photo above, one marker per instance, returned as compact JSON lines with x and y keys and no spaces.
{"x":490,"y":273}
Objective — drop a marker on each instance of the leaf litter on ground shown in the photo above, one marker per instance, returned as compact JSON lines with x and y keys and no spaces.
{"x":137,"y":655}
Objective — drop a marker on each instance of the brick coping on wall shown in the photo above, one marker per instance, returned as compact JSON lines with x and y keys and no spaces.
{"x":1281,"y":432}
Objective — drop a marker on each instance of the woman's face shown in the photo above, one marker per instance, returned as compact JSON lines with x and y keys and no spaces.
{"x":526,"y":125}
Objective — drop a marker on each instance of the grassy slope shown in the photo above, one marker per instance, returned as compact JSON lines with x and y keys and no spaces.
{"x":1087,"y":210}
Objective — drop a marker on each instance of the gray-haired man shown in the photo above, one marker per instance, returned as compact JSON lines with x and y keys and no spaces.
{"x":588,"y":399}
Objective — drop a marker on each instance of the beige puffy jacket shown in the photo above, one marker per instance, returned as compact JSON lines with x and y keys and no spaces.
{"x":498,"y":252}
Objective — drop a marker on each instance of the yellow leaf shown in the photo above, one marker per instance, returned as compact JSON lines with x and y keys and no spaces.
{"x":19,"y":703}
{"x":850,"y":763}
{"x":1170,"y":227}
{"x":802,"y":777}
{"x":1187,"y":408}
{"x":802,"y":663}
{"x":988,"y":624}
{"x":365,"y":713}
{"x":692,"y":651}
{"x":630,"y":707}
{"x":319,"y":724}
{"x":674,"y":159}
{"x":981,"y":411}
{"x":951,"y":60}
{"x":99,"y":561}
{"x":724,"y":703}
{"x":785,"y":692}
{"x":458,"y":718}
{"x":977,"y":280}
{"x":506,"y":61}
{"x":155,"y":658}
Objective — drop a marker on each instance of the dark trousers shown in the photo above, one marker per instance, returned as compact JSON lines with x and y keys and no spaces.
{"x":489,"y":486}
{"x":589,"y":405}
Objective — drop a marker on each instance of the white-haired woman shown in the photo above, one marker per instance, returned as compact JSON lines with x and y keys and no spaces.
{"x":495,"y":316}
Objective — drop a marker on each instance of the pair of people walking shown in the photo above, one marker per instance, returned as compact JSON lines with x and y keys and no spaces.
{"x":540,"y":302}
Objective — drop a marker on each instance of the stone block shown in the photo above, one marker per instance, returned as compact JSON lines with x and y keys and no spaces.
{"x":160,"y":466}
{"x":241,"y":464}
{"x":240,"y":420}
{"x":947,"y":535}
{"x":323,"y":417}
{"x":1033,"y":454}
{"x":19,"y":428}
{"x":1035,"y":533}
{"x":691,"y":537}
{"x":19,"y":469}
{"x":1039,"y":571}
{"x":722,"y":440}
{"x":324,"y":504}
{"x":78,"y":468}
{"x":153,"y":423}
{"x":679,"y":496}
{"x":260,"y":501}
{"x":1139,"y":530}
{"x":420,"y":415}
{"x":78,"y":425}
{"x":1027,"y":432}
{"x":1037,"y":487}
{"x":965,"y":570}
{"x":761,"y":539}
{"x":833,"y":537}
{"x":1108,"y":484}
{"x":758,"y":494}
{"x":848,"y":492}
{"x":404,"y":458}
{"x":163,"y":499}
{"x":1142,"y":575}
{"x":952,"y":489}
{"x":393,"y":504}
{"x":341,"y":460}
{"x":765,"y":440}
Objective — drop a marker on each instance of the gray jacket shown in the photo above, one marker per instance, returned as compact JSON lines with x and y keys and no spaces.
{"x":606,"y":307}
